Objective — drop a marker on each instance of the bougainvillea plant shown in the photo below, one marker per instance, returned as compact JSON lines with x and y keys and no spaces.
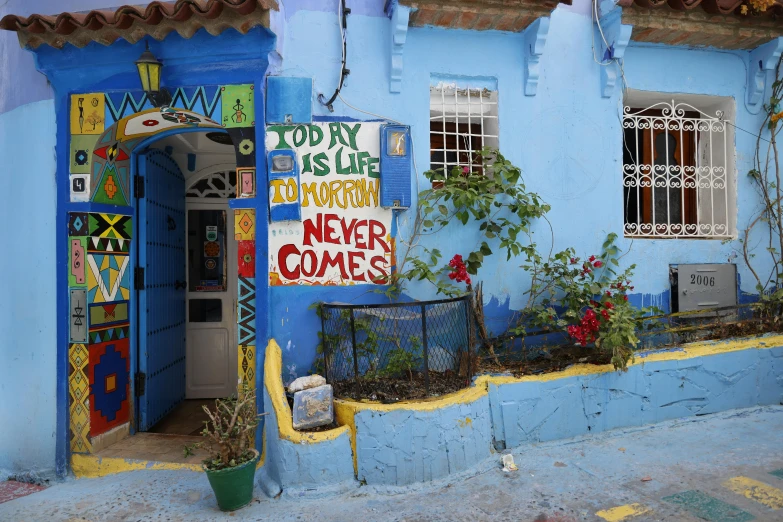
{"x":584,"y":298}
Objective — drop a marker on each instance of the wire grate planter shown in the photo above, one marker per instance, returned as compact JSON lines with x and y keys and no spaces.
{"x":422,"y":340}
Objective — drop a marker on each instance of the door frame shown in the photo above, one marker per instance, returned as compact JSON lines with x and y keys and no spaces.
{"x":231,"y":278}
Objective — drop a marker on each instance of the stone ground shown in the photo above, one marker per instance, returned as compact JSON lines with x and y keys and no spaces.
{"x":722,"y":467}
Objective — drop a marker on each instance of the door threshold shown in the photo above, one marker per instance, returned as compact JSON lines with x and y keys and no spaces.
{"x":156,"y":447}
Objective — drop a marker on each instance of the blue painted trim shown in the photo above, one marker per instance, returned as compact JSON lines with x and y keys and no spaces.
{"x":762,"y":61}
{"x":399,"y":33}
{"x":618,"y":35}
{"x":535,"y":43}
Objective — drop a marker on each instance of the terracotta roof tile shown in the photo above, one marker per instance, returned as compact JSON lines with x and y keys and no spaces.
{"x":723,"y":7}
{"x":499,"y":15}
{"x":133,"y":23}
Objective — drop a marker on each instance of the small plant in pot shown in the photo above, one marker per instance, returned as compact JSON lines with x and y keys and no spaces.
{"x":228,"y":438}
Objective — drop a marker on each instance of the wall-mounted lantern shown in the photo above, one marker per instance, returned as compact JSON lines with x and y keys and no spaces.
{"x":149,"y":73}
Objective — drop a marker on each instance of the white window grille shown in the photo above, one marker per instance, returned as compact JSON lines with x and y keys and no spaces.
{"x":215,"y":185}
{"x":462,"y":122}
{"x":676,"y":172}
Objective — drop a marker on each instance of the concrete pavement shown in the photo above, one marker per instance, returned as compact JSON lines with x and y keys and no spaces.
{"x":726,"y":467}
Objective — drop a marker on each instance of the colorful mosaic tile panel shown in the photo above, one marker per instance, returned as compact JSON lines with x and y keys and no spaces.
{"x":247,"y":365}
{"x":79,"y":390}
{"x":108,"y":277}
{"x":238,"y":103}
{"x":77,"y":256}
{"x":78,"y":223}
{"x":246,"y":310}
{"x":108,"y":372}
{"x":247,"y":258}
{"x":110,"y":225}
{"x":88,"y":113}
{"x":244,"y":224}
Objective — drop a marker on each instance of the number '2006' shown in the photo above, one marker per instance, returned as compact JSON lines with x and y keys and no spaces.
{"x":702,"y":280}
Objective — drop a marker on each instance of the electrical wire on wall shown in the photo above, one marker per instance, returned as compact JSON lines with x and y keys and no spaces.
{"x":342,"y":20}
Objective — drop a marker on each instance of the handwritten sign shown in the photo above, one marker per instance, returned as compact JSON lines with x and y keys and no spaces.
{"x":344,"y":236}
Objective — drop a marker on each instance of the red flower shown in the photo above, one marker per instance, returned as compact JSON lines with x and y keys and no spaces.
{"x":573,"y":260}
{"x":592,"y":258}
{"x":625,"y":297}
{"x":608,"y":293}
{"x":609,"y":305}
{"x":605,"y":314}
{"x":598,"y":264}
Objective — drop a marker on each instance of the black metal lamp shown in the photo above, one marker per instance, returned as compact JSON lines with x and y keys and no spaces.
{"x":149,"y":72}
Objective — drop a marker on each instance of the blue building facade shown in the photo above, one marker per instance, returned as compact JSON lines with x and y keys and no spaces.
{"x":559,"y":88}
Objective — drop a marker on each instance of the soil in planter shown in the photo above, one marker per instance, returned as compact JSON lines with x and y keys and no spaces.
{"x":388,"y":390}
{"x":553,"y":360}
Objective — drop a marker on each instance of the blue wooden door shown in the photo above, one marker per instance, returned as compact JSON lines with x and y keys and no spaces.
{"x":160,"y":384}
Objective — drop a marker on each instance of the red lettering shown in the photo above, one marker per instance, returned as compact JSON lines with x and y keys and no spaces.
{"x":337,"y":261}
{"x":347,"y":231}
{"x":353,"y":265}
{"x":313,"y":230}
{"x":374,"y":262}
{"x":378,"y":235}
{"x":359,"y":238}
{"x":329,"y":230}
{"x":309,"y":254}
{"x":282,"y":255}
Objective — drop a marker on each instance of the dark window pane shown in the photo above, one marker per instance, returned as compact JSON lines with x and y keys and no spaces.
{"x":205,"y":310}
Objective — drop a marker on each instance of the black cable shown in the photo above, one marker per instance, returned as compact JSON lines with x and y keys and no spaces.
{"x":343,"y":20}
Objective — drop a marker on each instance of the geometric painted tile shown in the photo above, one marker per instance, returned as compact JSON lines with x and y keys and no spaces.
{"x":109,"y":334}
{"x":238,"y":103}
{"x":77,"y":223}
{"x":78,"y":316}
{"x":244,"y":139}
{"x":81,"y":153}
{"x":246,"y":311}
{"x":110,"y":225}
{"x":244,"y":224}
{"x":247,"y":365}
{"x":246,"y":182}
{"x":110,"y":188}
{"x":88,"y":113}
{"x":79,"y":391}
{"x":247,"y":258}
{"x":77,"y":248}
{"x":105,"y":315}
{"x":108,"y":372}
{"x":108,"y":277}
{"x":80,"y":187}
{"x":108,"y":244}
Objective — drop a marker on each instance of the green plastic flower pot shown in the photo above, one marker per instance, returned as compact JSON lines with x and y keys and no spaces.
{"x":233,"y":487}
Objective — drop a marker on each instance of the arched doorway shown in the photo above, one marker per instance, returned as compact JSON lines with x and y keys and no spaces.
{"x":180,"y":267}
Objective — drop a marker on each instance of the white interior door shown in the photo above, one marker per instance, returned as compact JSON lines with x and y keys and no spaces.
{"x":212,"y":274}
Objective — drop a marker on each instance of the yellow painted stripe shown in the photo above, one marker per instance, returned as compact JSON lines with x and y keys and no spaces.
{"x":626,"y":512}
{"x":755,"y":490}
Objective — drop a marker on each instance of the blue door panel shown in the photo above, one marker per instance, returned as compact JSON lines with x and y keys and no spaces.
{"x":162,"y":300}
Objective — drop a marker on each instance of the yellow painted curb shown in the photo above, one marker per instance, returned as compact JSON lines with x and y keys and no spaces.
{"x":755,"y":490}
{"x":273,"y":381}
{"x":91,"y":466}
{"x":620,"y":513}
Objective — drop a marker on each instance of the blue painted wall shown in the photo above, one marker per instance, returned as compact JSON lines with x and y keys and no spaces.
{"x":566,"y":131}
{"x":28,"y":316}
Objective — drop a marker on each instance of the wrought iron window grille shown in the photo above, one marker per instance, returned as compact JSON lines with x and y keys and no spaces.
{"x":676,"y":172}
{"x":215,"y":185}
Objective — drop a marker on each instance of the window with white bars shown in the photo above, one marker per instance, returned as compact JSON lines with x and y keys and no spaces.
{"x":463,"y":120}
{"x":677,"y":172}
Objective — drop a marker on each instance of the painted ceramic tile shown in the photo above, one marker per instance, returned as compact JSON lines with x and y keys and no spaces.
{"x":78,"y":319}
{"x":108,"y":277}
{"x":108,"y":244}
{"x":246,"y":310}
{"x":203,"y":100}
{"x":106,"y":315}
{"x":87,"y":113}
{"x":247,"y":364}
{"x":153,"y":121}
{"x":244,"y":139}
{"x":77,"y":255}
{"x":77,"y":223}
{"x":246,"y":182}
{"x":247,"y":258}
{"x":82,"y":146}
{"x":110,"y":225}
{"x":109,"y":188}
{"x":80,"y":188}
{"x":112,"y":333}
{"x":122,"y":104}
{"x":79,"y":390}
{"x":244,"y":224}
{"x":108,"y":372}
{"x":238,"y":106}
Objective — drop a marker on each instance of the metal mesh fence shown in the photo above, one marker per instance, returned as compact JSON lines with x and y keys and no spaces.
{"x":399,"y":341}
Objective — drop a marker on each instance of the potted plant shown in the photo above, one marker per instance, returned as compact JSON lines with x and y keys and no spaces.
{"x":232,"y":460}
